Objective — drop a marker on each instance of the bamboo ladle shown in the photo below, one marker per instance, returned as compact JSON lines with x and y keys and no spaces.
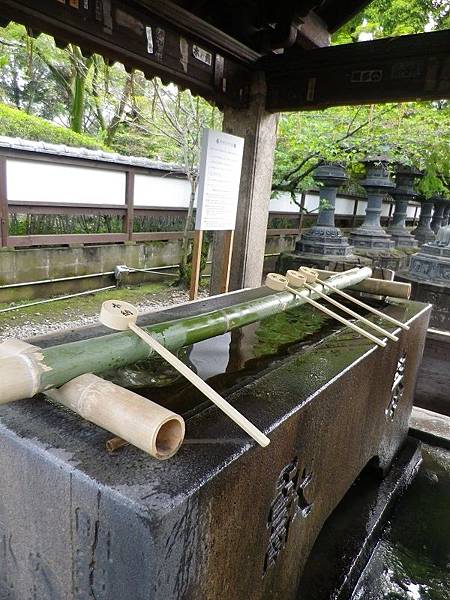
{"x":358,"y":302}
{"x":120,"y":315}
{"x":311,"y":277}
{"x":279,"y":283}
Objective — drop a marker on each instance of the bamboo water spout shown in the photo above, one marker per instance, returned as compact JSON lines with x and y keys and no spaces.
{"x":139,"y":421}
{"x":52,"y":367}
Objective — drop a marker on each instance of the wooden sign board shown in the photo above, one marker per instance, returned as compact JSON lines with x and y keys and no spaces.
{"x":218,"y":194}
{"x":219,"y":180}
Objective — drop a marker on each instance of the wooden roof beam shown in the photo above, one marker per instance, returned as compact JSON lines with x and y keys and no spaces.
{"x":406,"y":68}
{"x":140,"y":35}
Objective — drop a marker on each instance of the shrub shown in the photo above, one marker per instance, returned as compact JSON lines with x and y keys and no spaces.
{"x":16,"y":123}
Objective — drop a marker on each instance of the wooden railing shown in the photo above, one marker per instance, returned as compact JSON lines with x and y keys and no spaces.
{"x":127,"y":212}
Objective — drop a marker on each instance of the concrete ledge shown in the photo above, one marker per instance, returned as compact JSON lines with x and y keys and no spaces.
{"x":430,"y":427}
{"x":433,"y":380}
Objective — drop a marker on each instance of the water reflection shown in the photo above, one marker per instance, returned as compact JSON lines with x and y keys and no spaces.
{"x":412,"y":561}
{"x":226,"y":361}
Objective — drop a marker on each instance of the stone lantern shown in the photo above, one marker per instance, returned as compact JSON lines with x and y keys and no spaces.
{"x":429,"y":275}
{"x":440,"y":204}
{"x":423,"y":232}
{"x":446,"y":215}
{"x":403,"y":193}
{"x":377,"y":183}
{"x":324,"y":238}
{"x":432,"y":262}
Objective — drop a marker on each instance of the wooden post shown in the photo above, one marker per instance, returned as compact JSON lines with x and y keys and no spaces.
{"x":225,"y":267}
{"x":4,"y":210}
{"x":129,"y":202}
{"x":258,"y":127}
{"x":196,"y":264}
{"x":302,"y":213}
{"x":355,"y":212}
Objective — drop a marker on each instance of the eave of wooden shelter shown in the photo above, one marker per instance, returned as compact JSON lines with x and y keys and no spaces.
{"x":164,"y":39}
{"x":405,"y":68}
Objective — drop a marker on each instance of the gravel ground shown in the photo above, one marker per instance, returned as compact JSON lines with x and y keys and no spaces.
{"x":30,"y":325}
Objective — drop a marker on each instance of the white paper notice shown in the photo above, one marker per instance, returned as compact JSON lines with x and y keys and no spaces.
{"x":219,"y":179}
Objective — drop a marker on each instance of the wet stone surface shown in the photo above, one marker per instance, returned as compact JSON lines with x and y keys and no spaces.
{"x":412,"y":560}
{"x":127,"y":526}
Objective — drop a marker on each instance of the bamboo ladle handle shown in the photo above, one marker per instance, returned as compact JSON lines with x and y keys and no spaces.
{"x":293,"y":274}
{"x":120,"y":315}
{"x":278,"y":282}
{"x":364,"y":305}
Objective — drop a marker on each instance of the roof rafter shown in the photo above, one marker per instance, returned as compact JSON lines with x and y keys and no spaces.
{"x":405,"y":68}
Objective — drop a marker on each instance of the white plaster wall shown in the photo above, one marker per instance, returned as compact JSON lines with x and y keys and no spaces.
{"x":41,"y":182}
{"x":161,"y":191}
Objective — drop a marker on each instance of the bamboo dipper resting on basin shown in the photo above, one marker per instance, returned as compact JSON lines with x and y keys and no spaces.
{"x":295,"y":281}
{"x":120,"y":315}
{"x":28,"y":370}
{"x":311,"y":276}
{"x":356,"y":301}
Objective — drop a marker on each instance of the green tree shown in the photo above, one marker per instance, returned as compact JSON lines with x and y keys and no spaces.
{"x":176,"y":119}
{"x":83,"y":93}
{"x":417,"y":134}
{"x":412,"y":133}
{"x":384,"y":18}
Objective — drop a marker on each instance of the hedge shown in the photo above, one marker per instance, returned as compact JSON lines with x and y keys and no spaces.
{"x":16,"y":123}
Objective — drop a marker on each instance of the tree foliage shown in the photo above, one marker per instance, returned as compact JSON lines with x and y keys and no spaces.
{"x":416,"y":134}
{"x":16,"y":123}
{"x":384,"y":18}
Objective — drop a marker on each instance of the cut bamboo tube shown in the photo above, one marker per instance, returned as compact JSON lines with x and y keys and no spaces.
{"x":56,"y":365}
{"x":122,"y":315}
{"x":366,"y":306}
{"x":115,"y":443}
{"x":139,"y":421}
{"x":371,"y":285}
{"x":20,"y":371}
{"x":290,"y":275}
{"x":275,"y":279}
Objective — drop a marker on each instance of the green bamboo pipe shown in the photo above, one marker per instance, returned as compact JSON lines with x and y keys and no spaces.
{"x":59,"y":364}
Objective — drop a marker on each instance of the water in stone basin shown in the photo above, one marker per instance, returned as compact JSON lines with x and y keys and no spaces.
{"x":412,"y":560}
{"x":227,"y":361}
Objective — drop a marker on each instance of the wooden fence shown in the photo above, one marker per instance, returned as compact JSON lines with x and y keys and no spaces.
{"x":127,"y":212}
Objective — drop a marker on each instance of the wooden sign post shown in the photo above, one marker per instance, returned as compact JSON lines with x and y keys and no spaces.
{"x":196,"y":263}
{"x":218,"y":192}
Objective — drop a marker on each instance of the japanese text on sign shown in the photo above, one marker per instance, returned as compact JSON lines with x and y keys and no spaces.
{"x":219,"y":180}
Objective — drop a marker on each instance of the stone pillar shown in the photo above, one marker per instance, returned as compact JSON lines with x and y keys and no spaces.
{"x":446,"y":216}
{"x":403,"y":194}
{"x":439,"y":208}
{"x":325,"y":239}
{"x":259,"y":128}
{"x":370,"y":234}
{"x":423,"y":232}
